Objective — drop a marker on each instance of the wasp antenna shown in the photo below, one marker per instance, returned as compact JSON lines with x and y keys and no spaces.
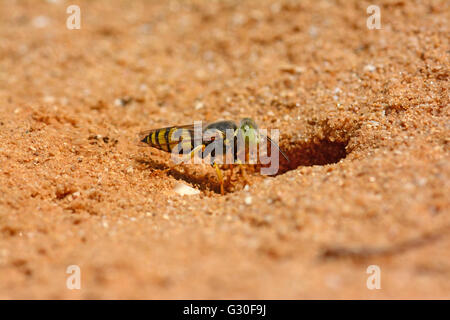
{"x":281,"y":151}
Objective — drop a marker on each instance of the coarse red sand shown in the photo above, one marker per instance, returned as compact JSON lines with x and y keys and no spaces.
{"x":363,"y":115}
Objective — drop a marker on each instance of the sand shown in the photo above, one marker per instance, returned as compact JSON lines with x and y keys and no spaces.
{"x":363,"y":115}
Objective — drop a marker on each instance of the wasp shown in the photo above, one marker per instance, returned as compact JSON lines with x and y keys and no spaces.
{"x":217,"y":140}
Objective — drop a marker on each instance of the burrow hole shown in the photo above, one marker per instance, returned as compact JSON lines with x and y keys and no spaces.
{"x":311,"y":152}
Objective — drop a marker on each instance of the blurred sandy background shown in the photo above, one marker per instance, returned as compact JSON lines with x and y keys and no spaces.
{"x":363,"y":114}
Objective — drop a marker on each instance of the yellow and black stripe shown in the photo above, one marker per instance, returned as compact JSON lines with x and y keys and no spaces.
{"x":166,"y":139}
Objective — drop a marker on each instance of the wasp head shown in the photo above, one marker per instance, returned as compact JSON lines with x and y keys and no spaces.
{"x":249,"y":130}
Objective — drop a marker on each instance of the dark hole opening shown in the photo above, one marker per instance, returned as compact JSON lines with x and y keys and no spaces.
{"x":300,"y":153}
{"x":311,"y":153}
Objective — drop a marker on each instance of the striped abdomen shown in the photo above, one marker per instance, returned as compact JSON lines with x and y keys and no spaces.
{"x":167,"y":139}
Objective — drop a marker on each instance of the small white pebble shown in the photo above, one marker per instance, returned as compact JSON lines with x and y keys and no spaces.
{"x":248,"y":200}
{"x":422,"y":181}
{"x":199,"y":105}
{"x":76,"y":194}
{"x":370,"y":68}
{"x":183,"y":189}
{"x":130,"y":169}
{"x":118,"y":102}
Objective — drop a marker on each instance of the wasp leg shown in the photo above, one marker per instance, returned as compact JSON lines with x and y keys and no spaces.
{"x":196,"y":149}
{"x":220,"y":177}
{"x":191,"y":154}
